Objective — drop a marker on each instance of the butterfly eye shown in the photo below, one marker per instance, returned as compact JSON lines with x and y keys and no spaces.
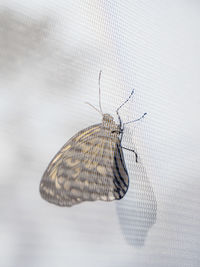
{"x":116,"y":131}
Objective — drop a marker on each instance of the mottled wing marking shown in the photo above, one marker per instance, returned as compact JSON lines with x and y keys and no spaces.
{"x":90,"y":166}
{"x":87,"y":133}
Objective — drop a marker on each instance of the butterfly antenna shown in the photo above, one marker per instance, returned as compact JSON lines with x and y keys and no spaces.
{"x":117,"y":111}
{"x":93,"y":107}
{"x":125,"y":101}
{"x":136,"y":119}
{"x":100,"y":92}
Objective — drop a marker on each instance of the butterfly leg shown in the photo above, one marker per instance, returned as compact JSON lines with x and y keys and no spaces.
{"x":136,"y":155}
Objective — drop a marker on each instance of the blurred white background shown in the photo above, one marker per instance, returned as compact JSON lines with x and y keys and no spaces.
{"x":50,"y":55}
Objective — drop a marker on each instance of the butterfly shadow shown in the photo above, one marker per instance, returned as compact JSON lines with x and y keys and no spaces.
{"x":137,"y":210}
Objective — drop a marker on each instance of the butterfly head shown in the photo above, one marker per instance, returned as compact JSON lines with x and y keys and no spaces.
{"x":108,"y":118}
{"x":109,"y":123}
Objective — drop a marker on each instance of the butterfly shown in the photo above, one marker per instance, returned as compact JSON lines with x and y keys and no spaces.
{"x":90,"y":166}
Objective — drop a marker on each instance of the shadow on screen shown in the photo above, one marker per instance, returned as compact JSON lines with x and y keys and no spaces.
{"x":137,"y":210}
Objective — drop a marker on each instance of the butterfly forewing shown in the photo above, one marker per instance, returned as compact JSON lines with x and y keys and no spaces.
{"x":90,"y":166}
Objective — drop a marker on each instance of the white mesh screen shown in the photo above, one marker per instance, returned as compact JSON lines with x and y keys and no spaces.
{"x":50,"y":55}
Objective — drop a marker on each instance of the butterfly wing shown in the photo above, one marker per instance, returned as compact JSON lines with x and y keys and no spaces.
{"x":90,"y":166}
{"x":121,"y":179}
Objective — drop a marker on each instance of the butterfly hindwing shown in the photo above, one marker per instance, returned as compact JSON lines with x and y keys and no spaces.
{"x":121,"y":180}
{"x":90,"y":166}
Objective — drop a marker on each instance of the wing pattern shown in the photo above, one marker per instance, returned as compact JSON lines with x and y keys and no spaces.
{"x":90,"y":166}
